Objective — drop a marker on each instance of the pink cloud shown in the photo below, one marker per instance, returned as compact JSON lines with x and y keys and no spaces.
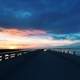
{"x":19,"y":32}
{"x":29,"y":38}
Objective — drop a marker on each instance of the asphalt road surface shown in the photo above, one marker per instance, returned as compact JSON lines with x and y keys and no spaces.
{"x":40,"y":67}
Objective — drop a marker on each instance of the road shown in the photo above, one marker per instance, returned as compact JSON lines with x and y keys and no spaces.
{"x":40,"y":66}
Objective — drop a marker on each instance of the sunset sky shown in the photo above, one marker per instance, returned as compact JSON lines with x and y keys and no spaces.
{"x":39,"y":23}
{"x":34,"y":38}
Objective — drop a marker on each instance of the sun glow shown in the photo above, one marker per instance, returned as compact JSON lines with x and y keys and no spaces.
{"x":20,"y":39}
{"x":12,"y":47}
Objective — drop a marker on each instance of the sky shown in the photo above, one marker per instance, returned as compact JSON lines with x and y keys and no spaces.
{"x":39,"y":23}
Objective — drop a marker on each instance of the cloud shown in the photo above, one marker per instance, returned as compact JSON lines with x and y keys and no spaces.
{"x":55,"y":15}
{"x":34,"y":38}
{"x":18,"y":32}
{"x":70,"y":36}
{"x":22,"y":14}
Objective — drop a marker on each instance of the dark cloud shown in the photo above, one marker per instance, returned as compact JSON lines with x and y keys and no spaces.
{"x":59,"y":16}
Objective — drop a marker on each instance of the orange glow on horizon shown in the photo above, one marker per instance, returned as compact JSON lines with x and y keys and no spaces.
{"x":20,"y":39}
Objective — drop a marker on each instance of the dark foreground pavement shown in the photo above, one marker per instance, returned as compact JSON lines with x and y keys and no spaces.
{"x":40,"y":67}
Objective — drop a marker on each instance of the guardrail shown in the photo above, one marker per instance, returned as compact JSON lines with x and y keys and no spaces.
{"x":11,"y":55}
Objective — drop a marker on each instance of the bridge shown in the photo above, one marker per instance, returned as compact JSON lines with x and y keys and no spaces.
{"x":8,"y":55}
{"x":72,"y":51}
